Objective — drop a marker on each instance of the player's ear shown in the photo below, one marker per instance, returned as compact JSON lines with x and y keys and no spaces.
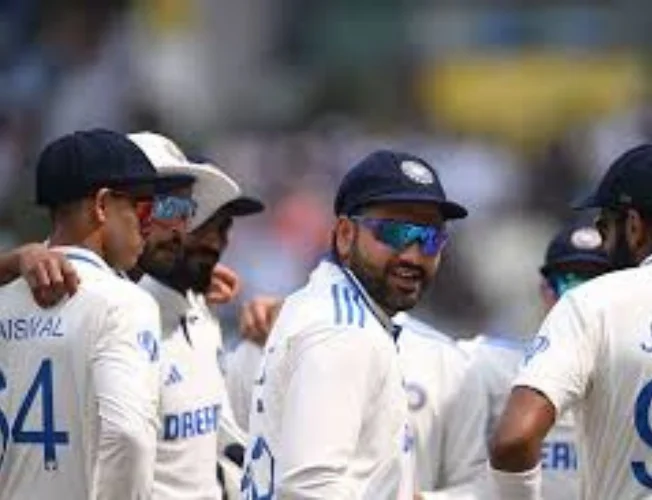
{"x":344,"y":237}
{"x":100,"y":204}
{"x":638,"y":232}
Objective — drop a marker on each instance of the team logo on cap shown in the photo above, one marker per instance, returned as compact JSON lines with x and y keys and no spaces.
{"x":417,"y":172}
{"x":586,"y":238}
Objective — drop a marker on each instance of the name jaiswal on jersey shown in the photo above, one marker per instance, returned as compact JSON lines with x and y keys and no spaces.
{"x":31,"y":327}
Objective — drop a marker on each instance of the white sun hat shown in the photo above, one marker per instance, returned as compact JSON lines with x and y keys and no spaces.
{"x":213,"y":189}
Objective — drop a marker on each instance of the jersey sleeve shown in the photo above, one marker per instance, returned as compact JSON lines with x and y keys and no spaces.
{"x":322,"y":417}
{"x":125,"y":371}
{"x":561,"y":359}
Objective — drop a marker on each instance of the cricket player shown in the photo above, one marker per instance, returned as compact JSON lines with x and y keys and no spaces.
{"x":329,"y":416}
{"x":592,"y":354}
{"x":449,"y":430}
{"x":194,"y":406}
{"x":573,"y":256}
{"x":170,"y":215}
{"x":79,"y":381}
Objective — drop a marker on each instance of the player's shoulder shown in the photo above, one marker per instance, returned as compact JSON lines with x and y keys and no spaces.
{"x":417,"y":332}
{"x":334,"y":307}
{"x":495,"y":342}
{"x":112,"y":290}
{"x":608,"y":290}
{"x":495,"y":351}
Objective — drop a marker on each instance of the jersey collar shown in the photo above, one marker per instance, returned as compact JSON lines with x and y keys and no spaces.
{"x":83,"y":255}
{"x":172,"y":304}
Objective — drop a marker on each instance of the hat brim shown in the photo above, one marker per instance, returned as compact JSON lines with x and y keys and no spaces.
{"x":449,"y":209}
{"x":595,"y":261}
{"x":212,"y":190}
{"x":152,"y":185}
{"x":242,"y":206}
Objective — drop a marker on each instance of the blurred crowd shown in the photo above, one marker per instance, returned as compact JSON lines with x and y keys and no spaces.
{"x":285,"y":95}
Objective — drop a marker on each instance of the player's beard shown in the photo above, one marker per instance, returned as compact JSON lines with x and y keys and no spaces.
{"x":622,"y":256}
{"x":190,"y":269}
{"x":376,"y":282}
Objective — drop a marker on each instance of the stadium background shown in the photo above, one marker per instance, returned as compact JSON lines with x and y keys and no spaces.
{"x":520,"y":106}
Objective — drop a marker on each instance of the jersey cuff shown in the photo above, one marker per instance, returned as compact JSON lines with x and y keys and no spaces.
{"x":524,"y":485}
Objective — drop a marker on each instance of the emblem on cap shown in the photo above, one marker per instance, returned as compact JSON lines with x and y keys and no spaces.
{"x":586,"y":238}
{"x":417,"y":172}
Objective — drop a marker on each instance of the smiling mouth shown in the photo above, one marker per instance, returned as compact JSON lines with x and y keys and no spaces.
{"x":407,"y":280}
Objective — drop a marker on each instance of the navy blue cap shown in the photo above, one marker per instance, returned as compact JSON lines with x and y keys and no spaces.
{"x":577,"y":244}
{"x":75,"y":165}
{"x":627,"y":183}
{"x":389,"y":176}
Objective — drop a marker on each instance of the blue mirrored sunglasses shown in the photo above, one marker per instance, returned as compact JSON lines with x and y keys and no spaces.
{"x":173,"y":207}
{"x":399,"y":235}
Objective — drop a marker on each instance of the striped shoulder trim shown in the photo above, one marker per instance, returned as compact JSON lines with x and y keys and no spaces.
{"x":348,"y":306}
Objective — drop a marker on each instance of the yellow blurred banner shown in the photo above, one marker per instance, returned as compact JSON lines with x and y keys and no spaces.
{"x":164,"y":16}
{"x":528,"y":97}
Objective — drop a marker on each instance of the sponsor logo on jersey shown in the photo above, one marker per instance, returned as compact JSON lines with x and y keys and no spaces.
{"x":188,"y":424}
{"x":30,"y":328}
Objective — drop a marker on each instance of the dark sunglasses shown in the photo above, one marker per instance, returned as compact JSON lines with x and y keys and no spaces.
{"x":399,"y":235}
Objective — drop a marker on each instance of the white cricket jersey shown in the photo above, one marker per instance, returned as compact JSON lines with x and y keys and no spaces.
{"x":497,"y":361}
{"x":594,"y":353}
{"x":194,"y":407}
{"x":241,"y":370}
{"x":448,"y":409}
{"x":79,"y":389}
{"x":329,"y":417}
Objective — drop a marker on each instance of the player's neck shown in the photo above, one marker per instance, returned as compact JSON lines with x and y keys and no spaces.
{"x":73,"y":236}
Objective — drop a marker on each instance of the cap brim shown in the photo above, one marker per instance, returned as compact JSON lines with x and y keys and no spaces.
{"x":570,"y":260}
{"x":153,"y":185}
{"x":244,"y":205}
{"x":212,"y":190}
{"x":449,"y":209}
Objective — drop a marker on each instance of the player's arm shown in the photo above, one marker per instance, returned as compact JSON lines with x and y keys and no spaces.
{"x":125,"y":371}
{"x":48,"y":273}
{"x":325,"y":402}
{"x":556,"y":374}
